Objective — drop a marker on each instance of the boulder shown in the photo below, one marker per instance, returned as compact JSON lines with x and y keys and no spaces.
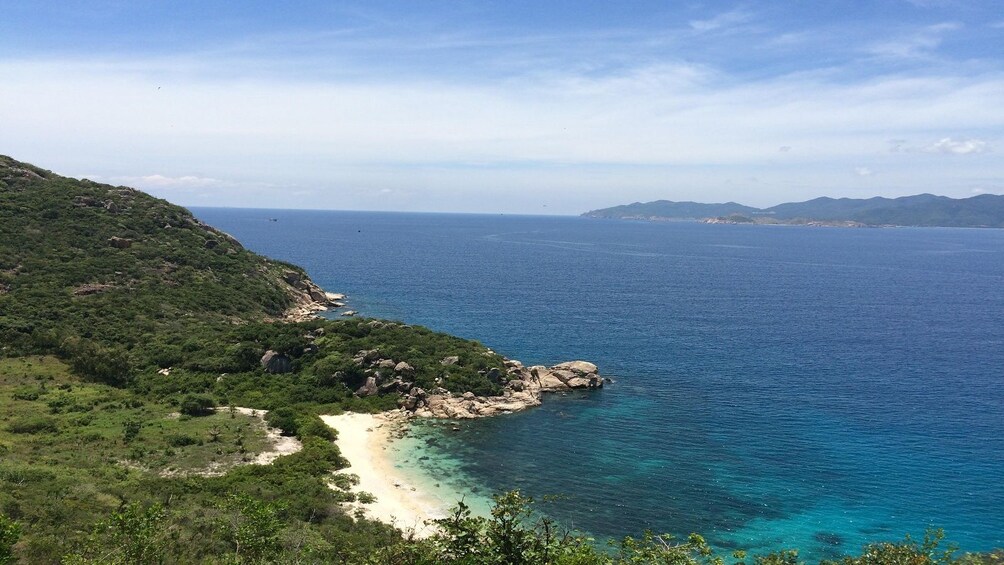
{"x":119,"y":242}
{"x":404,"y":368}
{"x":275,"y":362}
{"x":368,"y":389}
{"x":386,"y":364}
{"x":451,"y":360}
{"x":317,"y":295}
{"x":581,"y":367}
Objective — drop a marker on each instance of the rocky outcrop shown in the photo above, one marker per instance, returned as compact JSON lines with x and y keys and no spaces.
{"x":522,"y":388}
{"x":275,"y":362}
{"x":119,"y":242}
{"x":309,"y":299}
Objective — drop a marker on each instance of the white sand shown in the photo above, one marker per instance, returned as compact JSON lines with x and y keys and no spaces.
{"x":363,"y":440}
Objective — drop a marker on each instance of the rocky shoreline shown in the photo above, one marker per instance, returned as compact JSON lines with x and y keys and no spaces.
{"x":309,"y":299}
{"x":522,"y":387}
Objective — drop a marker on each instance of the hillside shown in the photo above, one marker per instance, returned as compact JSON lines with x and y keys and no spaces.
{"x":118,"y":312}
{"x":926,"y":210}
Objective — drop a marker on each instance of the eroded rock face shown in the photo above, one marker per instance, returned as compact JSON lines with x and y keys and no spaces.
{"x":275,"y":362}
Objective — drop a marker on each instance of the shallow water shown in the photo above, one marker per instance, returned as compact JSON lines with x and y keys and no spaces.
{"x":775,"y":386}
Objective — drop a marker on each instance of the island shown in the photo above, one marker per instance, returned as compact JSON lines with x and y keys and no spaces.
{"x":922,"y":210}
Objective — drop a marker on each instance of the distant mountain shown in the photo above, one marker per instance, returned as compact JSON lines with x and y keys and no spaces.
{"x":665,"y":209}
{"x":985,"y":210}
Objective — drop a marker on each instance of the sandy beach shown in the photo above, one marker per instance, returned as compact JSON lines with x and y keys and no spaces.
{"x":364,"y":440}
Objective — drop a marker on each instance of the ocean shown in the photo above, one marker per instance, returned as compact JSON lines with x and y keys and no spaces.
{"x":774,"y":386}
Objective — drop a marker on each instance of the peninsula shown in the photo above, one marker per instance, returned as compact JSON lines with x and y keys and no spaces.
{"x":922,"y":210}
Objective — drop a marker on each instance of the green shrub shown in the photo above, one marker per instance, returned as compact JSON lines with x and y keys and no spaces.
{"x":32,"y":425}
{"x":197,"y":405}
{"x":285,"y":419}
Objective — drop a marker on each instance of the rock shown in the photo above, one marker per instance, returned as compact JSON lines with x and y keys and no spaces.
{"x":577,"y":382}
{"x":349,"y":313}
{"x":494,"y":374}
{"x":317,"y":294}
{"x":386,"y":364}
{"x":451,"y":360}
{"x":119,"y":242}
{"x":468,"y":396}
{"x":404,"y":368}
{"x":334,"y":296}
{"x":392,"y":386}
{"x":516,"y":385}
{"x":581,"y":367}
{"x":275,"y":362}
{"x":368,"y":389}
{"x":366,"y":356}
{"x":291,"y":277}
{"x":166,"y":372}
{"x":211,"y":244}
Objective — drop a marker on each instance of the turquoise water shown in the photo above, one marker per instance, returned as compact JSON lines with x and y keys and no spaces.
{"x":775,"y":386}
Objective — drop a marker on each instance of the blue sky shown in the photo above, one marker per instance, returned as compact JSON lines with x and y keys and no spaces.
{"x":515,"y":107}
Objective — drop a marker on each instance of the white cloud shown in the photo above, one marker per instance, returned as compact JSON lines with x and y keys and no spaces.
{"x":724,"y":20}
{"x":958,"y":146}
{"x":161,"y":181}
{"x":863,"y":172}
{"x":573,"y":139}
{"x":918,"y":43}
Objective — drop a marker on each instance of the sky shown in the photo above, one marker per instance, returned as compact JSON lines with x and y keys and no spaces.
{"x":533,"y":107}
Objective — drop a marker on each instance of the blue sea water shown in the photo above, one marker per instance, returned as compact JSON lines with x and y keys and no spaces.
{"x":775,"y":386}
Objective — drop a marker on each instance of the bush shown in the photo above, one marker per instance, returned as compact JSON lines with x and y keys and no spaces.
{"x":283,"y":418}
{"x":181,"y":440}
{"x":197,"y":405}
{"x":32,"y":426}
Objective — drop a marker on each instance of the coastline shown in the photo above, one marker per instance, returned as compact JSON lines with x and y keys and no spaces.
{"x":365,"y":441}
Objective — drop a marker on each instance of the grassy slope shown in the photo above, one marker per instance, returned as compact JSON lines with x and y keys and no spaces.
{"x":85,"y":324}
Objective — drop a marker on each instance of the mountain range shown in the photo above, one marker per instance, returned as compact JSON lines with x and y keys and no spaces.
{"x":928,"y":210}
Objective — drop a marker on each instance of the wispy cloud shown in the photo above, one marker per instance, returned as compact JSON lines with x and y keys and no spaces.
{"x":721,"y":21}
{"x":162,"y":181}
{"x":917,"y":43}
{"x":864,"y":172}
{"x":952,"y":146}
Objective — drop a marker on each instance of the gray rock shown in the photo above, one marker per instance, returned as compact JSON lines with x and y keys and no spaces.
{"x":451,"y":360}
{"x":368,"y":389}
{"x":275,"y":362}
{"x":119,"y":242}
{"x":404,"y":368}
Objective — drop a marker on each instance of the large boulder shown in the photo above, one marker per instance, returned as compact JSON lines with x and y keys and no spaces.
{"x":275,"y":362}
{"x":368,"y":389}
{"x":581,"y":367}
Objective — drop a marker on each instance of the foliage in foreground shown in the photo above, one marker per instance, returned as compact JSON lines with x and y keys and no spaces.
{"x":515,"y":535}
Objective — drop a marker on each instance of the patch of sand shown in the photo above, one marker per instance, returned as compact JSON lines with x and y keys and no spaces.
{"x":363,"y":440}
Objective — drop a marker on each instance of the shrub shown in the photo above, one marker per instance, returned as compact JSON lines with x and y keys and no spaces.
{"x":32,"y":426}
{"x":197,"y":405}
{"x":283,"y":418}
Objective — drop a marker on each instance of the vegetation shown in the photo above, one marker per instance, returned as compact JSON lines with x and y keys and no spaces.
{"x":984,"y":210}
{"x":130,"y":333}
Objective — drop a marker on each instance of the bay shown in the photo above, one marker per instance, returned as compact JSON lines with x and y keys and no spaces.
{"x":774,"y":387}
